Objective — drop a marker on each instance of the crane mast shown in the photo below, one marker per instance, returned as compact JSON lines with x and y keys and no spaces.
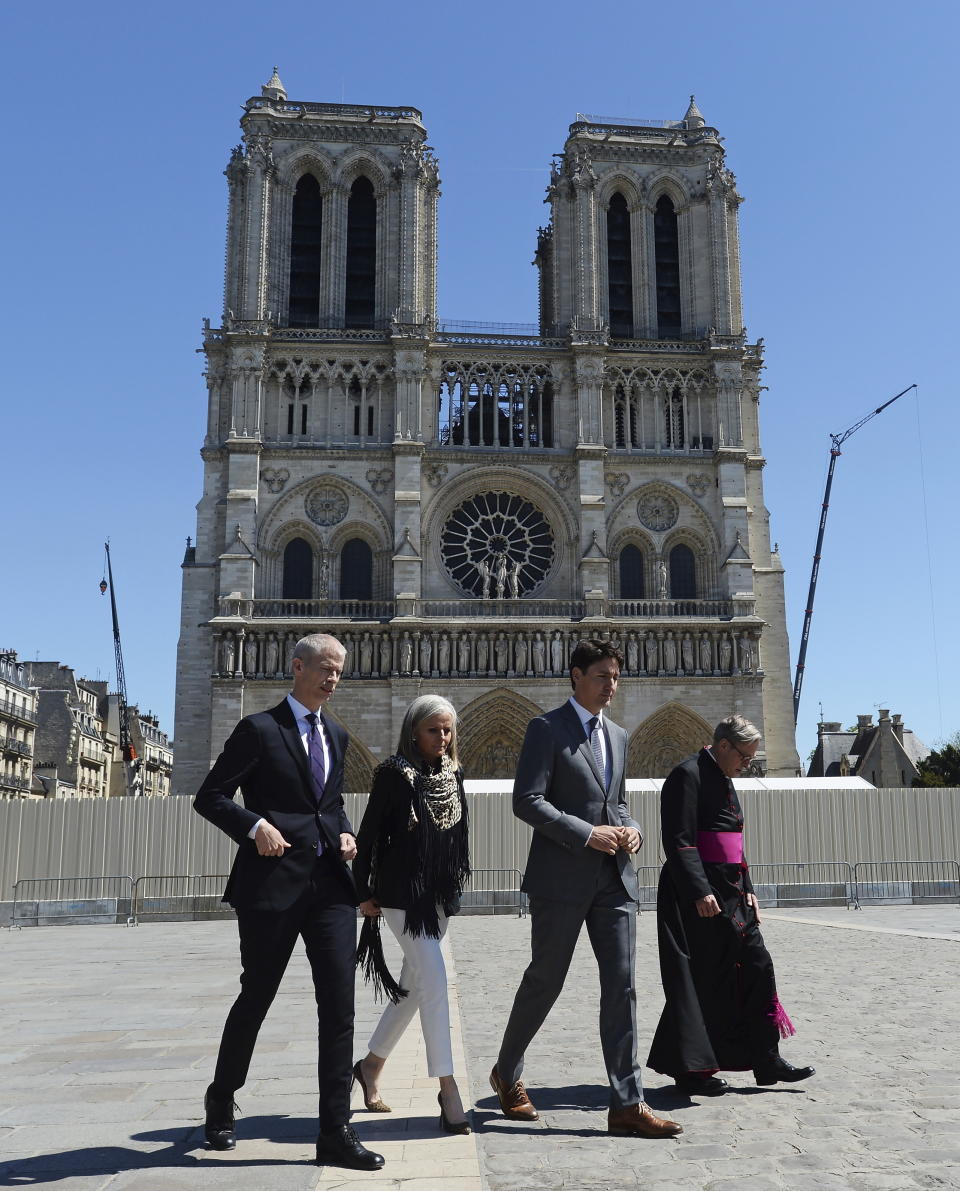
{"x":131,"y":763}
{"x":836,"y":442}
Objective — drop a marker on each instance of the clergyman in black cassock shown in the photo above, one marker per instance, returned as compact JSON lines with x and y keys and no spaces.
{"x":722,"y":1012}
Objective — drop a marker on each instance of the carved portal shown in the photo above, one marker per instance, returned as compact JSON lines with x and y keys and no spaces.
{"x":664,"y":739}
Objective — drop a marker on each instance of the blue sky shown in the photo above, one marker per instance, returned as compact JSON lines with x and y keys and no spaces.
{"x":838,"y":120}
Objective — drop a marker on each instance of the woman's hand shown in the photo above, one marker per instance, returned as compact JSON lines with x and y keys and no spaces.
{"x":370,"y":908}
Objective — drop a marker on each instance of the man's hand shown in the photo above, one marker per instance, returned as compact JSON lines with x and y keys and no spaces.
{"x":707,"y":907}
{"x":269,"y":840}
{"x":752,"y":901}
{"x":348,"y":846}
{"x":630,"y":840}
{"x":605,"y":839}
{"x":370,"y":908}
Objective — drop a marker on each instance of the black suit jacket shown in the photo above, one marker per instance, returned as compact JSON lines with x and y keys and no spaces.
{"x":265,"y":759}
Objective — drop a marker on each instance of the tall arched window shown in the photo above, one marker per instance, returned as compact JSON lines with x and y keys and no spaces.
{"x":619,"y":268}
{"x":667,"y":256}
{"x":673,"y":419}
{"x":297,"y":570}
{"x":631,"y":573}
{"x":305,"y":238}
{"x":683,"y":574}
{"x":361,"y":278}
{"x":356,"y":570}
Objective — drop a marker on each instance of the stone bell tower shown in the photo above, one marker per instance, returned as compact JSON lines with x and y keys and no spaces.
{"x":458,"y":505}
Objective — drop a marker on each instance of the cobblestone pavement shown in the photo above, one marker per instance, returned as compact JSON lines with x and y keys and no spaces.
{"x":876,"y":1002}
{"x":108,"y":1040}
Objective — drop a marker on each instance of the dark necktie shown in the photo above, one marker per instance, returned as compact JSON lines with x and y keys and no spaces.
{"x":593,"y":724}
{"x":318,"y":769}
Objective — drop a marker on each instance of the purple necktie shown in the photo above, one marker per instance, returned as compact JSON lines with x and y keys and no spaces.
{"x":317,"y":768}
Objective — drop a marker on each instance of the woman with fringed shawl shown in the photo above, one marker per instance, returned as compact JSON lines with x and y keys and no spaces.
{"x":412,"y":861}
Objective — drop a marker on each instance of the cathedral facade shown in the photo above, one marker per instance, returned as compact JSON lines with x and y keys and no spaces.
{"x":460,"y":504}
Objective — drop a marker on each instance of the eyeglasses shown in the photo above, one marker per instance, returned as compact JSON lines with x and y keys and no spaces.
{"x":744,"y":757}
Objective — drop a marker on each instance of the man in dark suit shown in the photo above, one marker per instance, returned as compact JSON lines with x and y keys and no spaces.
{"x":571,"y":788}
{"x":290,"y":879}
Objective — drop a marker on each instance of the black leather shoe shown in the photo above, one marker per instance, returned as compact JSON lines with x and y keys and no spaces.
{"x":341,"y":1147}
{"x":701,"y":1085}
{"x":780,"y":1071}
{"x":219,"y":1127}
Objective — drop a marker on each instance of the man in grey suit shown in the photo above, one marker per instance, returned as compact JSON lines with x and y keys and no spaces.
{"x":571,"y":788}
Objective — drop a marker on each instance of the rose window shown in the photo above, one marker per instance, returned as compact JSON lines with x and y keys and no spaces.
{"x":497,"y":546}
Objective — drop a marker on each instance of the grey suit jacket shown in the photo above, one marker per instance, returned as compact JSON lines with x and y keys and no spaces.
{"x":559,"y":791}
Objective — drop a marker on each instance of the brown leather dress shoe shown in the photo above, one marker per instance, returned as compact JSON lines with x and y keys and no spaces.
{"x":514,"y":1101}
{"x":636,"y":1120}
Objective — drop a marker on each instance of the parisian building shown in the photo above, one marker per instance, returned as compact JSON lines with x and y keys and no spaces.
{"x":18,"y":725}
{"x":459,"y":504}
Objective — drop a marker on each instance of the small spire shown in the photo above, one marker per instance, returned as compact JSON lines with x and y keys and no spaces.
{"x":274,"y":89}
{"x":694,"y":117}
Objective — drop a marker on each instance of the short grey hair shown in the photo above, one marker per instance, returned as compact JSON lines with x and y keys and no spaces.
{"x":422,"y":708}
{"x":736,"y":729}
{"x":314,"y":643}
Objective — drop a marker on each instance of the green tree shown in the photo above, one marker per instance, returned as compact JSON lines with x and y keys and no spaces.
{"x":942,"y":766}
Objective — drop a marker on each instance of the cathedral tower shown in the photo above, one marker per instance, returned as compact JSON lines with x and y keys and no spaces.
{"x":460,"y":506}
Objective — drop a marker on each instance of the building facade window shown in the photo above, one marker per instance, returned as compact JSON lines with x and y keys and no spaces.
{"x":619,"y":268}
{"x":305,"y":253}
{"x":356,"y":570}
{"x":360,"y":291}
{"x":683,"y":573}
{"x":631,"y":573}
{"x":666,"y":242}
{"x":297,"y":570}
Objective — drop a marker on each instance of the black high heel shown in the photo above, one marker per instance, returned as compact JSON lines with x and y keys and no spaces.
{"x":448,"y":1126}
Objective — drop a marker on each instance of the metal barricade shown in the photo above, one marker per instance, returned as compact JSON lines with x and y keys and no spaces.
{"x":494,"y":891}
{"x":907,"y":882}
{"x":179,"y":898}
{"x":804,"y":883}
{"x":56,"y":901}
{"x":648,"y":875}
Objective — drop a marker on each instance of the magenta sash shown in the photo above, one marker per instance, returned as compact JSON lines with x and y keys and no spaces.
{"x":720,"y":847}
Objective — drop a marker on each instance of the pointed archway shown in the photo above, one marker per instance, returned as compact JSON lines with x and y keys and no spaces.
{"x":665,"y":738}
{"x":358,"y":766}
{"x":490,"y":731}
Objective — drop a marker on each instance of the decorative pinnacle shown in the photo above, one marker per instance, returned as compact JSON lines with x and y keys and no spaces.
{"x":694,"y":117}
{"x":275,"y":88}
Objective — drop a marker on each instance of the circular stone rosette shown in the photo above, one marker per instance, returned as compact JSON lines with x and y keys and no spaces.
{"x":658,"y":511}
{"x":497,"y":532}
{"x":326,"y":504}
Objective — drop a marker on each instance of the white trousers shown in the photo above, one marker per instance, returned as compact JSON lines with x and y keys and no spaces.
{"x":424,"y":975}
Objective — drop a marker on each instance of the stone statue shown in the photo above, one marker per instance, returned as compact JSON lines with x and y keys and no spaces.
{"x":250,"y":656}
{"x":426,"y":653}
{"x":650,"y":648}
{"x":385,"y":652}
{"x":366,"y":654}
{"x":686,"y":649}
{"x":633,"y":654}
{"x":406,"y":654}
{"x":726,"y":653}
{"x":502,"y":651}
{"x":272,"y":662}
{"x":539,"y":654}
{"x":747,"y":660}
{"x":500,"y":574}
{"x":483,"y":654}
{"x":324,"y":578}
{"x":463,"y":654}
{"x":229,"y":654}
{"x":706,"y":658}
{"x":662,"y":578}
{"x":483,"y":568}
{"x":288,"y":653}
{"x":556,"y":653}
{"x":443,"y":654}
{"x":670,"y":654}
{"x":513,"y":580}
{"x":520,"y":656}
